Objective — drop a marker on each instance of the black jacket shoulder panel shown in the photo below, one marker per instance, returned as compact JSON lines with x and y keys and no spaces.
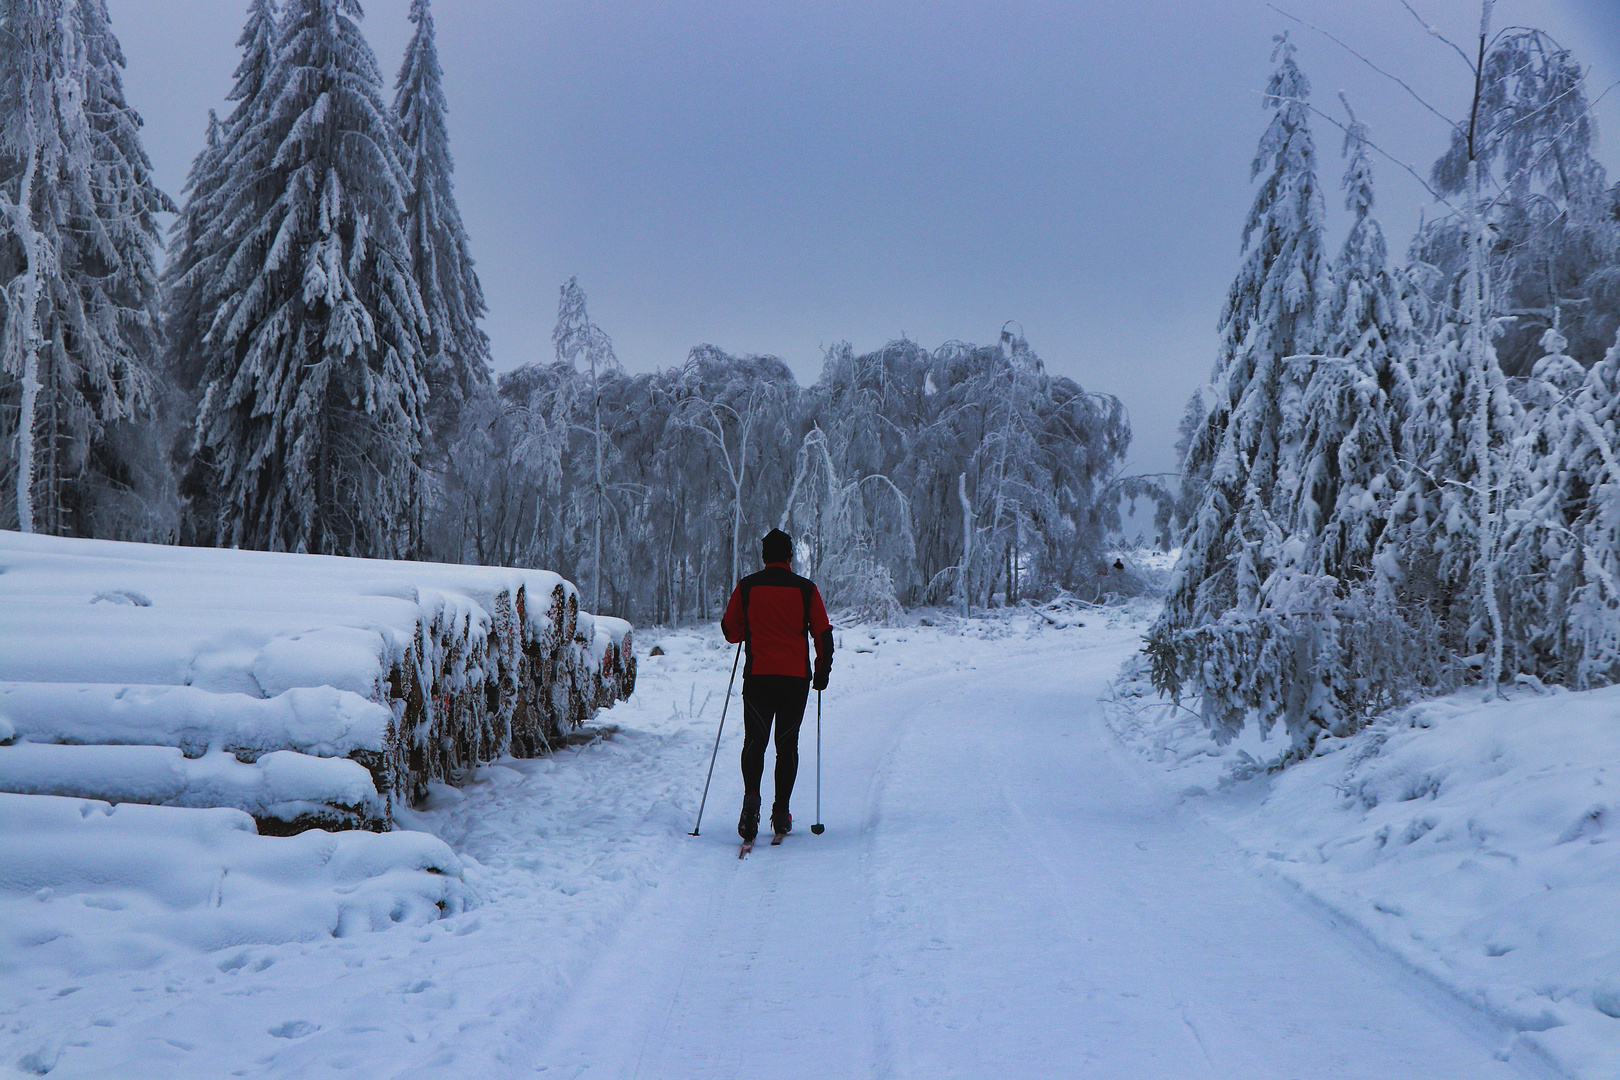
{"x":775,"y":575}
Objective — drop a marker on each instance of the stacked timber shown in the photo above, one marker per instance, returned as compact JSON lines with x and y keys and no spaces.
{"x":276,"y":683}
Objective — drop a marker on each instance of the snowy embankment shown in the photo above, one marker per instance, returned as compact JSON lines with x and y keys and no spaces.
{"x":308,"y":671}
{"x":1475,"y":841}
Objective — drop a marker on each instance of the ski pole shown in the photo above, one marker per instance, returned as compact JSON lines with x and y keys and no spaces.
{"x":725,"y":705}
{"x":818,"y":828}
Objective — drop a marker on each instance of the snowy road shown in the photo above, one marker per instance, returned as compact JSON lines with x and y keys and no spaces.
{"x":1003,"y":892}
{"x":999,"y":894}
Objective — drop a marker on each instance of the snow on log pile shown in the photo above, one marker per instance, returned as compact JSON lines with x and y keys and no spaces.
{"x":89,"y":886}
{"x":273,"y":683}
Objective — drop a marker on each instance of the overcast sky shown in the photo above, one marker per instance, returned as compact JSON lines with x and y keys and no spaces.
{"x":775,"y":177}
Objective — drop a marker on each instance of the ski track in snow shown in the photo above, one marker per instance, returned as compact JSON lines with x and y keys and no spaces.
{"x":1002,"y":892}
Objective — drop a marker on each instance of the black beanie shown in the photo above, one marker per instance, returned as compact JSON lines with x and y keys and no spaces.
{"x":776,"y":547}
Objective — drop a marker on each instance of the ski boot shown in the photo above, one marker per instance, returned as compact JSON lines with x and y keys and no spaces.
{"x":748,"y":823}
{"x":781,"y":823}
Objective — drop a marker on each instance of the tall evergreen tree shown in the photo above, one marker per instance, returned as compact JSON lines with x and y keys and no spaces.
{"x":77,"y":263}
{"x":1211,"y":633}
{"x":312,"y":412}
{"x":1348,"y":436}
{"x":456,"y":347}
{"x":196,"y":240}
{"x":1561,"y":549}
{"x":199,"y":246}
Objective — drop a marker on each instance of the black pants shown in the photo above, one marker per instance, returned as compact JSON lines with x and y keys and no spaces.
{"x":766,"y":698}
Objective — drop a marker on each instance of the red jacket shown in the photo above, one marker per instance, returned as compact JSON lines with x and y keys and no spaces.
{"x":774,"y":610}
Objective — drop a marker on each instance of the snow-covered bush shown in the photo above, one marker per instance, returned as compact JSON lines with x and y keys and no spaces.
{"x":1316,"y":656}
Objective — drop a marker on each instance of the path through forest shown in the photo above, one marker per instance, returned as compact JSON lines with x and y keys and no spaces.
{"x":1000,"y":893}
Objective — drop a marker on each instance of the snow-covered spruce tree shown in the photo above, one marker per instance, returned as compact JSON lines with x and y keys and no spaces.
{"x":1218,"y":639}
{"x":311,"y":418}
{"x":190,"y":264}
{"x":77,"y":265}
{"x":1345,"y":438}
{"x":197,"y":237}
{"x":456,"y":347}
{"x":1175,"y":516}
{"x":1562,"y":541}
{"x":199,"y":246}
{"x":1343,"y":434}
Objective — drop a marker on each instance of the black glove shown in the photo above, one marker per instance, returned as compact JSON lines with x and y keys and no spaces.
{"x":819,"y":683}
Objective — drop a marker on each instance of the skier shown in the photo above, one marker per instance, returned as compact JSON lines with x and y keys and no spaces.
{"x":773,"y":611}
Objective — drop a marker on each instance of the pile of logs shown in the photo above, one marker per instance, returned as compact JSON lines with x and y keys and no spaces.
{"x":415,"y":672}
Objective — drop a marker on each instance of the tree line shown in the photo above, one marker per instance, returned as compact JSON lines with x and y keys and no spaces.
{"x":1402,"y":477}
{"x":304,"y":368}
{"x":909,"y":476}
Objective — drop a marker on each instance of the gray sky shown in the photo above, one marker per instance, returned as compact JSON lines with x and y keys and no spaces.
{"x":777,"y":176}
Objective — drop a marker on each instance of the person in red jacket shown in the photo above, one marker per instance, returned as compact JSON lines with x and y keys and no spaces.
{"x":774,"y":611}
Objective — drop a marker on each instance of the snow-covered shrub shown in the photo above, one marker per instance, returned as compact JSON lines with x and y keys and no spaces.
{"x":1314,"y":655}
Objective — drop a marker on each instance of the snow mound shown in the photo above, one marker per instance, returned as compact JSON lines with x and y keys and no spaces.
{"x":417,"y":671}
{"x":1476,"y":841}
{"x":161,"y":879}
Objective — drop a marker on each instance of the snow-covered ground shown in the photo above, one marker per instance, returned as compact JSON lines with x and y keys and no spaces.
{"x":1472,"y":842}
{"x":1003,"y":890}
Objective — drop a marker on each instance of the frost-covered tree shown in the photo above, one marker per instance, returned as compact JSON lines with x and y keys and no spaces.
{"x":456,"y":347}
{"x":1345,"y":433}
{"x":827,"y":510}
{"x":1465,"y":419}
{"x":575,"y":337}
{"x":200,"y":243}
{"x":1215,"y":635}
{"x":311,"y":417}
{"x":1561,"y":546}
{"x":699,"y":460}
{"x":740,"y":408}
{"x":197,"y":237}
{"x":77,"y":266}
{"x":1553,"y":257}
